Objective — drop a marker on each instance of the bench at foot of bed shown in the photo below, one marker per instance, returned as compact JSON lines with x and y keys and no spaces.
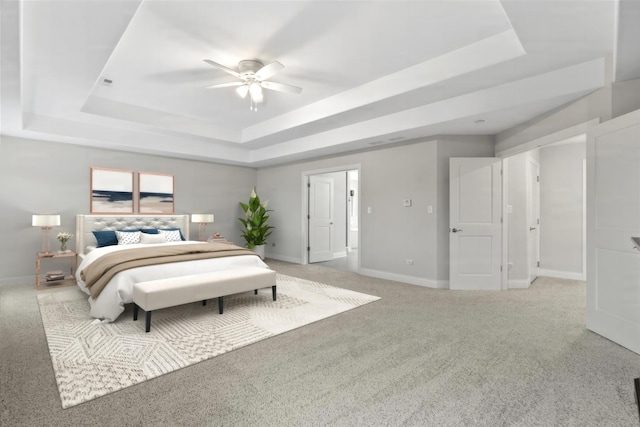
{"x":163,"y":293}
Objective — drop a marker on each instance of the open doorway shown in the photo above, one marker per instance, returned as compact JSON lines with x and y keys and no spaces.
{"x":332,"y":218}
{"x":546,"y":213}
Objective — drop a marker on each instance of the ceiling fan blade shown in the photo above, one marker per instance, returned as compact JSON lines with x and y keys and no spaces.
{"x":268,"y":70}
{"x":223,"y":68}
{"x":281,"y":87}
{"x":232,"y":84}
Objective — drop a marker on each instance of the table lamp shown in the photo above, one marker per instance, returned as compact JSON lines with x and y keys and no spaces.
{"x":202,"y":220}
{"x":45,"y":222}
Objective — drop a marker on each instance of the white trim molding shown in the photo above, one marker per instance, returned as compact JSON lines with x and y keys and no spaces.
{"x":519,"y":284}
{"x":19,"y":280}
{"x":561,"y":274}
{"x":283,"y":258}
{"x":412,"y":280}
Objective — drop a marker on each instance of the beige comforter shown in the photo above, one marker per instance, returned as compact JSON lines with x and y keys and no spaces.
{"x":97,"y":274}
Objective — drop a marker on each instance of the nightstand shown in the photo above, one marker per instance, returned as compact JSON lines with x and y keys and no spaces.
{"x":41,"y":280}
{"x":219,"y":240}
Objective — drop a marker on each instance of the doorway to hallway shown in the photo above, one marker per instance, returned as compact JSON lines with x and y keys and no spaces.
{"x":332,"y":218}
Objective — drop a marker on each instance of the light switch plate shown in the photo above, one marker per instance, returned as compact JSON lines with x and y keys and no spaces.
{"x":407,"y":203}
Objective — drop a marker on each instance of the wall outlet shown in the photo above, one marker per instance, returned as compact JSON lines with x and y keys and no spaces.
{"x":429,"y":209}
{"x":369,"y":209}
{"x":409,"y":262}
{"x":273,"y":245}
{"x":406,"y":203}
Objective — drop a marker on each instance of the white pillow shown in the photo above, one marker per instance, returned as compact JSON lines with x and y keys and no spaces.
{"x":128,"y":237}
{"x":171,"y":235}
{"x":152,"y":238}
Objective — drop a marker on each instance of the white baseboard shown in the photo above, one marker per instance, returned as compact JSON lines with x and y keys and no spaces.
{"x":283,"y":258}
{"x":18,"y":280}
{"x":519,"y":284}
{"x":561,"y":274}
{"x":412,"y":280}
{"x":342,"y":254}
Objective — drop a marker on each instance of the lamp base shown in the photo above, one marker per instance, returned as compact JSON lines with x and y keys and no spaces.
{"x":202,"y":231}
{"x":45,"y":241}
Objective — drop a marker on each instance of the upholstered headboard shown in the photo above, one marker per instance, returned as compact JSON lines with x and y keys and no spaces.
{"x":85,"y":224}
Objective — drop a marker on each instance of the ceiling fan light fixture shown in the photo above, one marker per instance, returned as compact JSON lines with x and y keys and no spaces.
{"x":242,"y":91}
{"x":253,"y":75}
{"x":256,"y":92}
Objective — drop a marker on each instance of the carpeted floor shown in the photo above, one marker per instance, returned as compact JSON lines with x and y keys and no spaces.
{"x":417,"y":357}
{"x":91,"y":360}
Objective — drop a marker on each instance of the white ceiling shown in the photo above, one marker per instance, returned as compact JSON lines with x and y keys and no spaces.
{"x":372,"y":72}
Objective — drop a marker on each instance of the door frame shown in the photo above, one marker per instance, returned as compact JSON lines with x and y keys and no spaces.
{"x":560,"y":135}
{"x":304,"y":223}
{"x":533,"y":162}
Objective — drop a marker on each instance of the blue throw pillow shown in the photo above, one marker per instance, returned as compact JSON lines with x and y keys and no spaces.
{"x":106,"y":238}
{"x":150,"y":230}
{"x":175,"y":228}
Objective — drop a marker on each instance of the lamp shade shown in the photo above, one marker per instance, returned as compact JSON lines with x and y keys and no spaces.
{"x":45,"y":220}
{"x":202,"y":218}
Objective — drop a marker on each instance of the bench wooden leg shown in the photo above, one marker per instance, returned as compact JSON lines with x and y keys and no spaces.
{"x":273,"y":292}
{"x":148,"y":325}
{"x":220,"y":304}
{"x":135,"y":311}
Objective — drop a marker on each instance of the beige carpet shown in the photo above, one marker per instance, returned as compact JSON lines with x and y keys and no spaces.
{"x":92,"y":360}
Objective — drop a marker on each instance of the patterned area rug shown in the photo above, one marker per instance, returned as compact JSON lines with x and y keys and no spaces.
{"x":91,"y":360}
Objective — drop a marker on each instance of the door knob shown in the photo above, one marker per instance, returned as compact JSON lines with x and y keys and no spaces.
{"x":531,"y":228}
{"x":455,"y":230}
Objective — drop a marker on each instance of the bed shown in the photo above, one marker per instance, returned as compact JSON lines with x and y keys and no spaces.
{"x":118,"y":291}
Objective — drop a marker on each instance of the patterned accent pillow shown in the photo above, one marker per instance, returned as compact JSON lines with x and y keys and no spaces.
{"x":128,"y":237}
{"x":171,"y":235}
{"x":174,"y":228}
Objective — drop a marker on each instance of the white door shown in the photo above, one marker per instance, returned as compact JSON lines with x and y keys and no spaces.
{"x":533,"y":219}
{"x":475,"y":228}
{"x":613,"y":217}
{"x":320,"y":219}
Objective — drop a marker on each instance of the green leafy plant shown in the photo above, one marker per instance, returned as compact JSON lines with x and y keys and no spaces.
{"x":255,"y":230}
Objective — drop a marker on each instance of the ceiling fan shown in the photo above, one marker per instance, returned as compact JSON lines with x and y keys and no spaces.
{"x":253,"y":75}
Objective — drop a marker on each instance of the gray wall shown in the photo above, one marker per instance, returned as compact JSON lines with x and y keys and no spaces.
{"x":561,"y":208}
{"x":48,"y":177}
{"x":626,"y":97}
{"x":611,"y":101}
{"x":390,"y":234}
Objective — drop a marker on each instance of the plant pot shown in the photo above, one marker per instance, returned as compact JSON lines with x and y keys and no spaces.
{"x":259,"y":250}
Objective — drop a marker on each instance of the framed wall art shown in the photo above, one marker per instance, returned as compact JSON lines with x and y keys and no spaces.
{"x":155,"y":193}
{"x":111,"y":191}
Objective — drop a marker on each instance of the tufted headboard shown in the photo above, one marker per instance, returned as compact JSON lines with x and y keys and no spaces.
{"x":85,"y":224}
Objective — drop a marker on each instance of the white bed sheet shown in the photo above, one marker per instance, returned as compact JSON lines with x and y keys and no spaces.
{"x":119,"y":291}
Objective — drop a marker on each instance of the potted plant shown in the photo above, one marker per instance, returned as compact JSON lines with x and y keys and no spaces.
{"x":255,"y":230}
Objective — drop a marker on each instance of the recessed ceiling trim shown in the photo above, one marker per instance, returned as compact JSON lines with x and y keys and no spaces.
{"x":492,"y":50}
{"x":576,"y":79}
